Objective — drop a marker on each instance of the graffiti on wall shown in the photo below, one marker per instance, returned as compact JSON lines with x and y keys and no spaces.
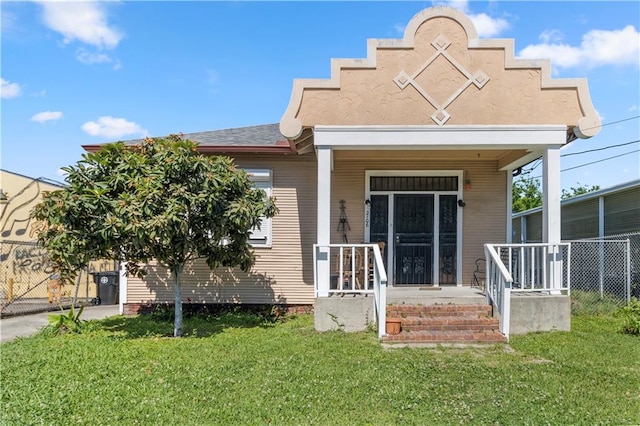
{"x":25,"y":258}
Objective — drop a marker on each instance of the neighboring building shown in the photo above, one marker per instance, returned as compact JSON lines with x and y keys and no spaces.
{"x":19,"y":194}
{"x":420,"y":140}
{"x":25,"y":270}
{"x":603,"y":213}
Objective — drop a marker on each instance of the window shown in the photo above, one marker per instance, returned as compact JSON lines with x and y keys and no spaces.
{"x":261,"y":179}
{"x":414,"y":183}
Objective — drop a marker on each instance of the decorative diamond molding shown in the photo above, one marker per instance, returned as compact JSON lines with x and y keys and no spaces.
{"x":441,"y":116}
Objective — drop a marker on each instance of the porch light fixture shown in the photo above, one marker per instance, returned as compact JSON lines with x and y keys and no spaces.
{"x":461,"y":203}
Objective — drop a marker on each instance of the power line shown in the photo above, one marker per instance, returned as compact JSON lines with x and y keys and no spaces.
{"x":599,"y":161}
{"x":613,"y":122}
{"x":536,"y":163}
{"x":588,"y":164}
{"x":600,"y":149}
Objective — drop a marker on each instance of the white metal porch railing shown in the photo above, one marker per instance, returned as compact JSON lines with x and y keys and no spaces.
{"x":537,"y":267}
{"x":353,"y":269}
{"x":524,"y":268}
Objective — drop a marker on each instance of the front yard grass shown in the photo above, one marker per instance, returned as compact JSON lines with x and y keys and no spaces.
{"x":239,"y":369}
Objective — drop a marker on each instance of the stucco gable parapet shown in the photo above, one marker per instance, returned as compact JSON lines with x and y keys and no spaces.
{"x":322,"y":95}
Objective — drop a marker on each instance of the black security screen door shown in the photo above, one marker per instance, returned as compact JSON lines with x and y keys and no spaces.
{"x":379,"y":230}
{"x":413,"y":239}
{"x":448,"y":247}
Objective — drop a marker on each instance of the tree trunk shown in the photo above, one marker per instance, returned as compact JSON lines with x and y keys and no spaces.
{"x":177,"y":289}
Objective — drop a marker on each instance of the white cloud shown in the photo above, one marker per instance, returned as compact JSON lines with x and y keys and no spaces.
{"x":399,"y":28}
{"x":598,"y":48}
{"x":632,"y":108}
{"x":111,"y":127}
{"x":551,"y":36}
{"x":9,"y":90}
{"x":45,"y":116}
{"x":462,"y":5}
{"x":83,"y":21}
{"x":89,"y":58}
{"x":561,"y":55}
{"x":486,"y":26}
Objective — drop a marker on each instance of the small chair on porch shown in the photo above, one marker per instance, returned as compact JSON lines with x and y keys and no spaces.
{"x":352,"y":262}
{"x":479,"y":274}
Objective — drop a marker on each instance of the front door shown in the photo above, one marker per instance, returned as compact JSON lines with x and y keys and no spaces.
{"x":417,"y":219}
{"x":413,"y":239}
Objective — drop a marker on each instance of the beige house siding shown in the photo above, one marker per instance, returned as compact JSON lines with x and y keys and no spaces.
{"x":283,"y":273}
{"x":484,"y":216}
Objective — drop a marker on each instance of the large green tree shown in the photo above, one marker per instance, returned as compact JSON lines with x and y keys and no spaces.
{"x":159,"y":200}
{"x":528,"y":195}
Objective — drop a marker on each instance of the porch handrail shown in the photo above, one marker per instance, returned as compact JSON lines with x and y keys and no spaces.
{"x":536,"y":267}
{"x":356,"y":272}
{"x":499,"y":282}
{"x":379,"y":290}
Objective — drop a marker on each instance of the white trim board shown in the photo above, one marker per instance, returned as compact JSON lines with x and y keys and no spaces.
{"x":435,"y":137}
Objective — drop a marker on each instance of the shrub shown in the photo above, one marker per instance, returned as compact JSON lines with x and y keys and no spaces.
{"x":67,"y":323}
{"x":631,"y":317}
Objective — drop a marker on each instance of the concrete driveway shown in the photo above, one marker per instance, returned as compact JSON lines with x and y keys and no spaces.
{"x":28,"y":325}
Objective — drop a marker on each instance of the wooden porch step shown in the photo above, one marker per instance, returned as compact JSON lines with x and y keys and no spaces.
{"x":463,"y":323}
{"x":402,"y":311}
{"x":445,"y":337}
{"x":442,"y":324}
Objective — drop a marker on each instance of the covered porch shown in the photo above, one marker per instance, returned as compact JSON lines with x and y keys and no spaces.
{"x":416,"y":148}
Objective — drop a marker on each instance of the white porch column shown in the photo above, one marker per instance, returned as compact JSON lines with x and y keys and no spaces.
{"x":323,"y":277}
{"x":551,"y":224}
{"x":509,"y":239}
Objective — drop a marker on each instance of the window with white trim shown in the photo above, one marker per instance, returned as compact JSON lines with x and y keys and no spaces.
{"x":262,"y":179}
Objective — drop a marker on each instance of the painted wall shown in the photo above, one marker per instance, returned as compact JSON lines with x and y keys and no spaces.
{"x":283,"y":273}
{"x":484,"y":216}
{"x":21,"y":259}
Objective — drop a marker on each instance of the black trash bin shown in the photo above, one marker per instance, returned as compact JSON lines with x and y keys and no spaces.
{"x":107,"y":287}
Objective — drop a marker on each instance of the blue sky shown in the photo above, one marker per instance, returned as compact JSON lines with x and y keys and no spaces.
{"x":84,"y":73}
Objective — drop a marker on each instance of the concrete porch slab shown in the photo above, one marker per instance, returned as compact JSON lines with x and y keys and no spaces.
{"x":443,"y":295}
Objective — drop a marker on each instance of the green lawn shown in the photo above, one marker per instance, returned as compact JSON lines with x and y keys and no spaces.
{"x":241,"y":370}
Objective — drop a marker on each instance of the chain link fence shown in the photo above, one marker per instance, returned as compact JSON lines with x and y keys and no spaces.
{"x":605,"y":273}
{"x":28,"y":283}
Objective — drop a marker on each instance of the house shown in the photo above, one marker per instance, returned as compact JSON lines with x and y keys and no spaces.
{"x":414,"y":147}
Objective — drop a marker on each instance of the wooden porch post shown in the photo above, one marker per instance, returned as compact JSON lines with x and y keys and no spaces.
{"x":509,"y":239}
{"x":324,"y":155}
{"x":551,"y":223}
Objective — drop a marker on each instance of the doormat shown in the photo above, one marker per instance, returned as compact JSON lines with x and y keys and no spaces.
{"x":430,"y":288}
